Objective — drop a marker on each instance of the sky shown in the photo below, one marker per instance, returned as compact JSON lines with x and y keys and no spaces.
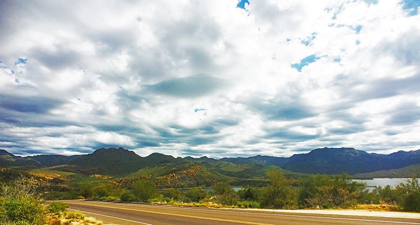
{"x":218,"y":78}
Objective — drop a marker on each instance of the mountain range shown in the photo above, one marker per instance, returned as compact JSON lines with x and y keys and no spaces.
{"x":122,"y":162}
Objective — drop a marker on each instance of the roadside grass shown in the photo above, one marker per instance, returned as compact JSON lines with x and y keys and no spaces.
{"x":378,"y":207}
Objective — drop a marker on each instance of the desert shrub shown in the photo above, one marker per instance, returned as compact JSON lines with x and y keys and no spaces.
{"x":250,"y":194}
{"x":196,"y":194}
{"x":221,"y":188}
{"x":185,"y":199}
{"x":127,"y":196}
{"x":225,"y":195}
{"x":229,"y":198}
{"x":144,"y":190}
{"x":74,"y":215}
{"x":55,"y":195}
{"x":27,"y":210}
{"x":19,"y":204}
{"x":172,"y":193}
{"x":57,"y":207}
{"x":248,"y":204}
{"x":280,"y":193}
{"x":110,"y":199}
{"x":86,"y":190}
{"x":409,"y":195}
{"x":105,"y":189}
{"x":2,"y":209}
{"x":340,"y":191}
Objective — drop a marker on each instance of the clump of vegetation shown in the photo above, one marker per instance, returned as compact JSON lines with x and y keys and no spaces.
{"x":279,"y":193}
{"x":145,"y":190}
{"x":72,"y":217}
{"x":19,"y":204}
{"x":225,"y":195}
{"x":321,"y":191}
{"x":127,"y":196}
{"x":57,"y":207}
{"x":196,"y":194}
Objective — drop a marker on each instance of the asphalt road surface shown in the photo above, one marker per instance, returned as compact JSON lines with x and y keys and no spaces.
{"x":120,"y":213}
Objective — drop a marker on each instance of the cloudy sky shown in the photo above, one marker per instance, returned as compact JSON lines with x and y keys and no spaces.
{"x":216,"y":78}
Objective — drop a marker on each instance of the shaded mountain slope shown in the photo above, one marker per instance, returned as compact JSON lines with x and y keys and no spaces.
{"x":8,"y":159}
{"x":350,"y":160}
{"x":53,"y":160}
{"x":258,"y":160}
{"x":406,"y":172}
{"x":110,"y":161}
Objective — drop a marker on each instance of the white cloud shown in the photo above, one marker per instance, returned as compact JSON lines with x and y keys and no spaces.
{"x":133,"y":82}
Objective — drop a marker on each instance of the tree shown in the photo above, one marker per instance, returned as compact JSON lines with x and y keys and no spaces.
{"x":172,"y":193}
{"x":225,"y":194}
{"x":250,"y":194}
{"x":410,"y":193}
{"x":196,"y":194}
{"x":221,"y":188}
{"x":145,"y":190}
{"x":309,"y":189}
{"x":279,"y":193}
{"x":86,"y":190}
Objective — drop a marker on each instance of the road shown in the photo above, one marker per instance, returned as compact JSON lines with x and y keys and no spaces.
{"x":121,"y":213}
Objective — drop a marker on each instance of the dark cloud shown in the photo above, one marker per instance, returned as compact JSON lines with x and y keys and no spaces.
{"x":278,"y":109}
{"x":404,"y":114}
{"x":188,"y":87}
{"x":376,"y":89}
{"x":196,"y":141}
{"x":29,"y":104}
{"x":289,"y":135}
{"x":347,"y":129}
{"x":62,"y":58}
{"x":405,"y":49}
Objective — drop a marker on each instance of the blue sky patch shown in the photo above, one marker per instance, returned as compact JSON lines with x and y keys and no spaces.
{"x":356,"y":28}
{"x":411,"y":6}
{"x":21,"y":61}
{"x":370,"y":2}
{"x":242,"y":3}
{"x":304,"y":62}
{"x":337,"y":60}
{"x":309,"y":39}
{"x":200,"y":109}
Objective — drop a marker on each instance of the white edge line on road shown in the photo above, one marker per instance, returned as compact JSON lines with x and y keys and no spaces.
{"x":112,"y":217}
{"x":315,"y":217}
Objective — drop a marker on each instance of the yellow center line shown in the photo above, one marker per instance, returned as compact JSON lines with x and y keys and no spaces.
{"x":173,"y":214}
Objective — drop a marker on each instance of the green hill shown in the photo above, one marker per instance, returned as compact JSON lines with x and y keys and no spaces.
{"x":112,"y":161}
{"x":178,"y":175}
{"x":7,"y":159}
{"x":406,"y":172}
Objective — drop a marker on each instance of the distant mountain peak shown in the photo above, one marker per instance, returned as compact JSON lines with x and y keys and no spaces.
{"x":112,"y":151}
{"x":338,"y":151}
{"x":4,"y":152}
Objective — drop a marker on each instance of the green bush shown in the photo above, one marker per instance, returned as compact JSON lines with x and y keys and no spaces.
{"x":250,"y":194}
{"x":280,"y":193}
{"x":196,"y":194}
{"x":55,"y":195}
{"x":127,"y":196}
{"x":221,"y":188}
{"x":57,"y":207}
{"x":230,"y":198}
{"x":172,"y":193}
{"x":110,"y":199}
{"x":74,"y":215}
{"x":248,"y":204}
{"x":26,"y":210}
{"x":410,"y":192}
{"x":145,"y":190}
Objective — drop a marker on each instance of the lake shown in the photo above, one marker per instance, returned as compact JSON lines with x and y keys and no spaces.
{"x":393,"y":182}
